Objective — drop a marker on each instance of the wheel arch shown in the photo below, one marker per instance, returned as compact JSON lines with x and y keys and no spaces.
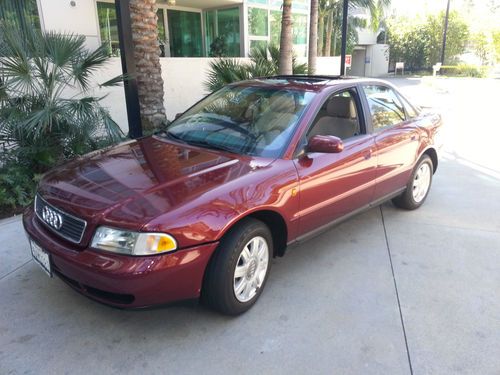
{"x":432,"y":153}
{"x":274,"y":221}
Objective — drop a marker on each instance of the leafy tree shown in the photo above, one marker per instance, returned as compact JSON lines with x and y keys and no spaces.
{"x":481,"y":46}
{"x":407,"y":43}
{"x":456,"y":37}
{"x":418,"y":44}
{"x":496,"y":44}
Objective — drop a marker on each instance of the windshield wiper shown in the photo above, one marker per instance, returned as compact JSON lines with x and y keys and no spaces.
{"x":174,"y":137}
{"x":213,"y":146}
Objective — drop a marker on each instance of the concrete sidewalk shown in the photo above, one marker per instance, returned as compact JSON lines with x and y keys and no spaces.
{"x":388,"y":292}
{"x":351,"y":301}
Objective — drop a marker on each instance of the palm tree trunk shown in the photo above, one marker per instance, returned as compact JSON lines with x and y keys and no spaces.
{"x":285,"y":64}
{"x":321,"y":34}
{"x":313,"y":35}
{"x":147,"y":56}
{"x":329,"y":31}
{"x":334,"y":47}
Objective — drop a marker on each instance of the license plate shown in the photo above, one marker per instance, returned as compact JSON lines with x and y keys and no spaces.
{"x":41,"y":257}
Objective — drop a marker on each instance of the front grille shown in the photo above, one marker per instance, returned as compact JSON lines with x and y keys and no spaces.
{"x":63,"y":224}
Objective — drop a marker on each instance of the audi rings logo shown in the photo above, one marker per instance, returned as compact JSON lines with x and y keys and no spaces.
{"x":52,"y":218}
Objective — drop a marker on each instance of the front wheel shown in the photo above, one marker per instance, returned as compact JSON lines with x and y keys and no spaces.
{"x":418,"y":187}
{"x":239,"y":269}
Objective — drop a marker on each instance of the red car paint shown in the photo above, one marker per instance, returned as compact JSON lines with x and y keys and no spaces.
{"x":196,"y":194}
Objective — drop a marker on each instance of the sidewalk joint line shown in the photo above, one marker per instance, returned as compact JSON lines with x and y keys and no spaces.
{"x":15,"y":269}
{"x":397,"y":293}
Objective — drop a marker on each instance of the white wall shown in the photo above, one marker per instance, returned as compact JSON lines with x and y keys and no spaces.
{"x":366,"y":36}
{"x":328,"y":66}
{"x":60,"y":16}
{"x":183,"y":83}
{"x":377,"y":60}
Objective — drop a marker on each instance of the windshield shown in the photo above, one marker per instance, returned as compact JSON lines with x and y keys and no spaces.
{"x":256,"y":121}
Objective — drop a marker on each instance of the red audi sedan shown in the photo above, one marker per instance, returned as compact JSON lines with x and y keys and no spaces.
{"x":199,"y":209}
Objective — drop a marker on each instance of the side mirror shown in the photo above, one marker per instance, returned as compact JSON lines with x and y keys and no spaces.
{"x":325,"y":143}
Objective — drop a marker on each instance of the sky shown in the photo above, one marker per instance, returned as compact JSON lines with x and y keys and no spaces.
{"x":482,"y":13}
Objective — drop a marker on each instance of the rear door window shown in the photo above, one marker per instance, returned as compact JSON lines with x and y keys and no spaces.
{"x":386,"y":108}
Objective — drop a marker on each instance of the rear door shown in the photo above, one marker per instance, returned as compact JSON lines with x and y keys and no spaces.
{"x":333,"y":185}
{"x":396,"y":138}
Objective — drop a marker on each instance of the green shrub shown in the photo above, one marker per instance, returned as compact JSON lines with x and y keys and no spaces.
{"x":17,"y":186}
{"x":463,"y":70}
{"x":49,"y":111}
{"x":264,"y":61}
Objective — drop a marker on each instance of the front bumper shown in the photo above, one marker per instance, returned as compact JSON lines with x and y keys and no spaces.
{"x":120,"y":280}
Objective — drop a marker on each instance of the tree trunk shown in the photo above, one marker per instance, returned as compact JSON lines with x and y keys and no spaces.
{"x":285,"y":65}
{"x":329,"y":31}
{"x":313,"y":35}
{"x":334,"y":47}
{"x":321,"y":33}
{"x":147,"y":59}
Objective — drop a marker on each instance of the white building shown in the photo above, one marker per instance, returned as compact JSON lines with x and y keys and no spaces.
{"x":190,"y":31}
{"x":369,"y":59}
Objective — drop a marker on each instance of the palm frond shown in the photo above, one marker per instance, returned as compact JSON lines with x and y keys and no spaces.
{"x":116,"y":81}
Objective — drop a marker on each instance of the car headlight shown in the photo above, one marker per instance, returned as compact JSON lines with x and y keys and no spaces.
{"x":132,"y":243}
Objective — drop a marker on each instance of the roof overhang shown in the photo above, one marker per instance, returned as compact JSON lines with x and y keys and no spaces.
{"x":200,"y":4}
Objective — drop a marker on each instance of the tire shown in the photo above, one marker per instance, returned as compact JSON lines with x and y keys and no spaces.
{"x":418,"y":186}
{"x":238,"y":271}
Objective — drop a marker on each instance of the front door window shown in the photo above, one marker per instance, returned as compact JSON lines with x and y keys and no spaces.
{"x":185,"y":33}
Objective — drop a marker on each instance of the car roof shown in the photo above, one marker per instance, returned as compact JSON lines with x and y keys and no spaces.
{"x":314,"y":83}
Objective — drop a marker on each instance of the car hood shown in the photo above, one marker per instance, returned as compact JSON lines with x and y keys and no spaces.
{"x":130,"y":184}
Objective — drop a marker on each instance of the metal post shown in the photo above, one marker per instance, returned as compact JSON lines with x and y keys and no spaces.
{"x":444,"y":32}
{"x":344,"y":37}
{"x":128,"y":68}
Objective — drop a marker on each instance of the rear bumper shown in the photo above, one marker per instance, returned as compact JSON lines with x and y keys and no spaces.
{"x":120,"y":280}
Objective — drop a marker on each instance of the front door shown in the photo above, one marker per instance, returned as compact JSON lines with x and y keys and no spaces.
{"x":333,"y":185}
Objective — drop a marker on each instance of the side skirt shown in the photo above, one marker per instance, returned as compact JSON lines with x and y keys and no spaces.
{"x":326,"y":227}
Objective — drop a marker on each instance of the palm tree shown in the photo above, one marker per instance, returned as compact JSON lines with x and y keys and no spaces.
{"x":264,"y":61}
{"x":331,"y":12}
{"x":147,"y":56}
{"x":313,"y":35}
{"x":286,"y":53}
{"x":49,"y":111}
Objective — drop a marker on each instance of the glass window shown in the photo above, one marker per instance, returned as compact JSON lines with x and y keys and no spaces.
{"x":385,"y":107}
{"x":410,"y":109}
{"x":258,"y":44}
{"x":21,"y":15}
{"x":185,"y":33}
{"x":228,"y":27}
{"x":276,"y":26}
{"x":223,"y":32}
{"x":262,"y":2}
{"x":244,"y":119}
{"x":108,"y":28}
{"x":211,"y":32}
{"x":300,"y":5}
{"x":338,"y":116}
{"x":162,"y":35}
{"x":257,"y":21}
{"x":299,"y":28}
{"x":106,"y":14}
